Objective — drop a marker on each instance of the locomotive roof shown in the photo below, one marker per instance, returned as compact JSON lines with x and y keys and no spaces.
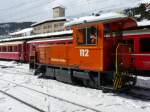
{"x":103,"y":18}
{"x":53,"y":34}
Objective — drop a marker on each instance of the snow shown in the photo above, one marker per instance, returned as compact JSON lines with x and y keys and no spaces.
{"x":20,"y":74}
{"x":12,"y":43}
{"x":103,"y":17}
{"x":143,"y":81}
{"x":26,"y":30}
{"x":145,"y":1}
{"x":144,"y":23}
{"x":39,"y":35}
{"x":48,"y":40}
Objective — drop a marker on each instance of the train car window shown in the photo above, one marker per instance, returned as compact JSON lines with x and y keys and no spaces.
{"x":19,"y":47}
{"x":87,"y":36}
{"x":145,"y":45}
{"x":131,"y":44}
{"x":4,"y":49}
{"x":15,"y":48}
{"x":7,"y":48}
{"x":10,"y":49}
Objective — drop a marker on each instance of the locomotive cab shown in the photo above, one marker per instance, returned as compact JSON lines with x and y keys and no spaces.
{"x":101,"y":50}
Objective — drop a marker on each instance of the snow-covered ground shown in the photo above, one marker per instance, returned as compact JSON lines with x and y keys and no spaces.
{"x":18,"y":81}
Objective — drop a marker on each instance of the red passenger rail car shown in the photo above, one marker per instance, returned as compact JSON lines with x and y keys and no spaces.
{"x":14,"y":50}
{"x":96,"y":57}
{"x":139,"y":40}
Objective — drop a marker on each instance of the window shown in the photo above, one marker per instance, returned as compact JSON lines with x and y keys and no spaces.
{"x":87,"y":36}
{"x":15,"y":48}
{"x":145,"y":45}
{"x":56,"y":25}
{"x":131,"y":44}
{"x":49,"y":26}
{"x":45,"y":27}
{"x":4,"y":49}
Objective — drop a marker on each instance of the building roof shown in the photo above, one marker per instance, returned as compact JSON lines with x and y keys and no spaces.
{"x":22,"y":31}
{"x":50,"y":20}
{"x":58,"y":6}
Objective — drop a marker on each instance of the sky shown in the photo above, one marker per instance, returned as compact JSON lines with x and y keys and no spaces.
{"x":39,"y":10}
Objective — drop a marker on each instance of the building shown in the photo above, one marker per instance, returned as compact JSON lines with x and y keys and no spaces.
{"x":52,"y":25}
{"x":22,"y":33}
{"x":48,"y":26}
{"x":58,"y":11}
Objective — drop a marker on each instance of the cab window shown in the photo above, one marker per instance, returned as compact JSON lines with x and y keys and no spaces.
{"x":87,"y":36}
{"x":145,"y":45}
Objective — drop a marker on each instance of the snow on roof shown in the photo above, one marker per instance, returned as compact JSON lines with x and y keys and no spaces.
{"x":58,"y":5}
{"x":144,"y":23}
{"x":49,"y":20}
{"x":12,"y":43}
{"x":39,"y":36}
{"x":49,"y":40}
{"x":22,"y":31}
{"x":107,"y":16}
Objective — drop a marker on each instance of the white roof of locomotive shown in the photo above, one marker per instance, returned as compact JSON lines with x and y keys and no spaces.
{"x":103,"y":17}
{"x":39,"y":36}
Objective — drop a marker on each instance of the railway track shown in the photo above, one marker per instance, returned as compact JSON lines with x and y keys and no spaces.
{"x":21,"y":101}
{"x":52,"y":96}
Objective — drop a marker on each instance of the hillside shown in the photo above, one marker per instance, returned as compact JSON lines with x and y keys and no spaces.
{"x":6,"y":28}
{"x":142,"y":12}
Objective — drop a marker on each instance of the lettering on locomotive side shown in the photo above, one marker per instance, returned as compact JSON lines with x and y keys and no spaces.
{"x":58,"y":60}
{"x":84,"y":52}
